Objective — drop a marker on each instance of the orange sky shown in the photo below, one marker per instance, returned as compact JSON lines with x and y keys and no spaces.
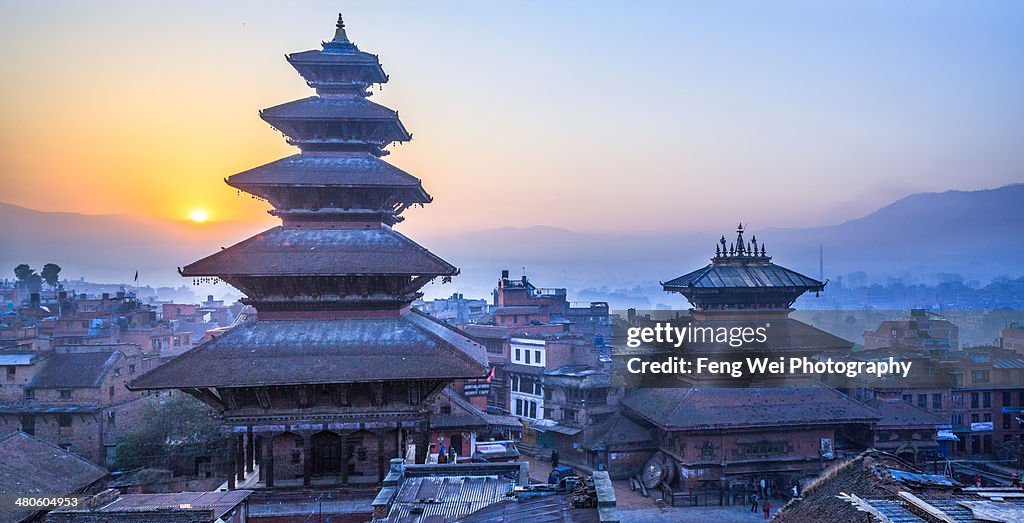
{"x":607,"y":118}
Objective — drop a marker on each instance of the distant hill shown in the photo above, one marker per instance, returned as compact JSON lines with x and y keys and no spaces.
{"x":975,"y":233}
{"x":109,"y":247}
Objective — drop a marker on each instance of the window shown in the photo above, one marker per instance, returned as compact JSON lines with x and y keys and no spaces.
{"x":64,"y":420}
{"x":937,"y":401}
{"x":986,"y":400}
{"x":908,"y":398}
{"x":974,"y":400}
{"x":987,"y":418}
{"x":112,"y":419}
{"x":975,"y":418}
{"x":979,"y":376}
{"x":527,"y":357}
{"x":519,"y":356}
{"x":958,"y":419}
{"x":65,"y":394}
{"x":117,"y":372}
{"x":537,"y":357}
{"x":131,"y":369}
{"x":11,"y":370}
{"x":446,"y":409}
{"x":922,"y":401}
{"x":519,"y":407}
{"x":111,"y":392}
{"x":29,"y":393}
{"x":28,"y":424}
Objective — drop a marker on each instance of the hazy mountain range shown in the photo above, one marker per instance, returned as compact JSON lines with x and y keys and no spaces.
{"x":977,"y":234}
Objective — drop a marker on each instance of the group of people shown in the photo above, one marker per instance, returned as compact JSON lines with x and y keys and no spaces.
{"x":764,"y":491}
{"x":447,"y":454}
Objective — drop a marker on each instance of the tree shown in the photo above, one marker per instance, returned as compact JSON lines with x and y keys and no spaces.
{"x":173,"y":425}
{"x":23,"y":271}
{"x":27,"y":276}
{"x":50,"y":274}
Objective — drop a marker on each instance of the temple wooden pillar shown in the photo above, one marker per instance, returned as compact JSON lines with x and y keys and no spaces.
{"x":345,"y":456}
{"x":268,"y":461}
{"x":423,"y":444}
{"x":240,"y":457}
{"x":381,"y":461}
{"x":232,"y":459}
{"x":307,"y":459}
{"x":250,"y":454}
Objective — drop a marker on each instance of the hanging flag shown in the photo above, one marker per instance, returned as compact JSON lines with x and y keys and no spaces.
{"x":136,"y":275}
{"x":491,"y":375}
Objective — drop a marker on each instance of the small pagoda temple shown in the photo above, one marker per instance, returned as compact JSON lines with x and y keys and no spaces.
{"x":720,"y":437}
{"x":337,"y":374}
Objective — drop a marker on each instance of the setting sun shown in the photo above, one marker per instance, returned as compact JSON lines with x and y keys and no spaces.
{"x":199,"y":215}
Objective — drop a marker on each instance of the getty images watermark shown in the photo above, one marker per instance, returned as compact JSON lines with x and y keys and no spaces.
{"x":736,"y":337}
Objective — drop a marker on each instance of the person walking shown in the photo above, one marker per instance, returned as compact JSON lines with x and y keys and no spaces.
{"x":767,"y":508}
{"x":753,"y":502}
{"x":554,"y":458}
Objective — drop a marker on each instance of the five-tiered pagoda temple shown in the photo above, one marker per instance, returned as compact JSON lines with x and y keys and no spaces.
{"x":337,"y":374}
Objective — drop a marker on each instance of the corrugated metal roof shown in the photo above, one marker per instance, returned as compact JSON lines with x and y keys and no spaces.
{"x":446,"y":498}
{"x":1008,"y":363}
{"x":219,"y":502}
{"x":17,"y":359}
{"x":48,"y":408}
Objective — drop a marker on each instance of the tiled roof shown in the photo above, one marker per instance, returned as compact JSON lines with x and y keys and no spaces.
{"x":320,"y":57}
{"x":321,"y":252}
{"x":355,"y":169}
{"x":866,"y":476}
{"x":289,"y":352}
{"x":743,"y":275}
{"x":710,"y":408}
{"x":899,"y":413}
{"x":76,"y":369}
{"x":616,"y":430}
{"x":463,"y":414}
{"x":316,"y":108}
{"x":29,"y":466}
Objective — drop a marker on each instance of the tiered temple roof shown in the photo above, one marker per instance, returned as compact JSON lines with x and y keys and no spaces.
{"x":332,"y":285}
{"x":742,"y":276}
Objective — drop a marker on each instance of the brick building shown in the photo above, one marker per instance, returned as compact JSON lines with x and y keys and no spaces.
{"x":76,"y":401}
{"x":923,"y":329}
